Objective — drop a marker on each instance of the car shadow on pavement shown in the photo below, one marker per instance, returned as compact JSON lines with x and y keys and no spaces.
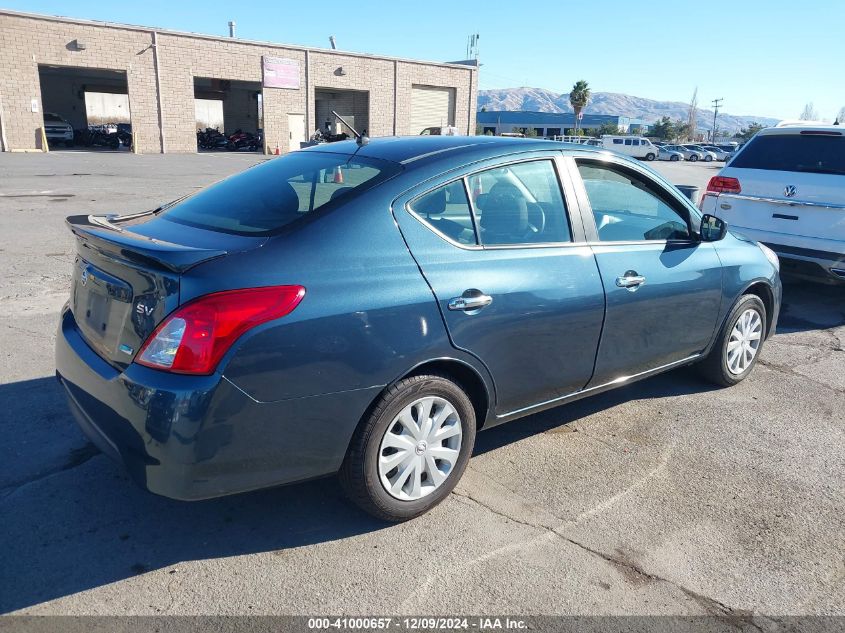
{"x":73,"y":520}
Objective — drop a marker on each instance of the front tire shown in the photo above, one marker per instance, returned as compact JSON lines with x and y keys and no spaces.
{"x":649,"y":156}
{"x":410,"y":451}
{"x":740,"y":342}
{"x":708,"y":159}
{"x":674,"y":159}
{"x":693,"y":158}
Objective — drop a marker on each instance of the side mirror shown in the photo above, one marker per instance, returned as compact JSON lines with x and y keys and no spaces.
{"x":713,"y":229}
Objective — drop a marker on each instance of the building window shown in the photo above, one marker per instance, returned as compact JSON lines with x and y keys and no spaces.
{"x":553,"y":131}
{"x":538,"y":131}
{"x":489,"y":130}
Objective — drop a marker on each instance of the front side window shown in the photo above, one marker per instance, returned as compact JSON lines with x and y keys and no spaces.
{"x":265,"y":198}
{"x":520,"y":204}
{"x":627,"y":207}
{"x":447,"y":210}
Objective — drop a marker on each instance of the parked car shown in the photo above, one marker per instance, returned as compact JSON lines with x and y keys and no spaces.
{"x":719,"y":153}
{"x":705,"y":155}
{"x":660,"y":143}
{"x":636,"y":146}
{"x":667,"y":154}
{"x":730,"y":148}
{"x":241,"y":337}
{"x":688,"y":154}
{"x":57,"y":129}
{"x":786,"y":188}
{"x":446,"y":130}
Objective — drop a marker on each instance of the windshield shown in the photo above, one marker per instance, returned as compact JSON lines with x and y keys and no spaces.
{"x":265,"y":198}
{"x":814,"y":153}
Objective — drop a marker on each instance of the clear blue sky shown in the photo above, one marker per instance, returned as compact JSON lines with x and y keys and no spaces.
{"x":764,"y":57}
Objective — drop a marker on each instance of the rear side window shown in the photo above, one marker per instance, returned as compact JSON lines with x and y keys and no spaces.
{"x":446,"y":210}
{"x":811,"y":153}
{"x":265,"y":198}
{"x":617,"y":141}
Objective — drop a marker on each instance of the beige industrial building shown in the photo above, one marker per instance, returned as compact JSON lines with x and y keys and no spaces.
{"x":173,"y":83}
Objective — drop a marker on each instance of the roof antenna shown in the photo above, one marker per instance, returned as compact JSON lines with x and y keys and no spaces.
{"x":359,"y":138}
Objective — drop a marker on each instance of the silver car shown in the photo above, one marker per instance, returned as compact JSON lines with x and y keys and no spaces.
{"x":664,"y":153}
{"x":706,"y":156}
{"x":720,"y":153}
{"x":688,"y":154}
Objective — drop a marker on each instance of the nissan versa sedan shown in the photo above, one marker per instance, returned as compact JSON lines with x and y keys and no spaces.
{"x":365,"y":309}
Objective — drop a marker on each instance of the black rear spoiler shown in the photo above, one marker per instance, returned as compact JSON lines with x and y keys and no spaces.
{"x":100,"y":233}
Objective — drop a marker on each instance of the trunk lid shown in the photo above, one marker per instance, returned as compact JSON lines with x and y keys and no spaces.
{"x":127,"y":273}
{"x":814,"y":208}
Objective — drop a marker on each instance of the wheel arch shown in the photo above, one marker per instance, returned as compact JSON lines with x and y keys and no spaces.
{"x":764,"y":291}
{"x":479,"y":391}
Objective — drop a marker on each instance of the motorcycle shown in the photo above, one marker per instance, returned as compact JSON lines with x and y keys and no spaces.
{"x":241,"y":140}
{"x":100,"y":136}
{"x":211,"y":138}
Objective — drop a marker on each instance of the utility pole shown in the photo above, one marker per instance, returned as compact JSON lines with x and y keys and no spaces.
{"x":716,"y":104}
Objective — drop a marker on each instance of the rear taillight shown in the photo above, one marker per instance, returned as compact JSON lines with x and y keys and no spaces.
{"x":194,"y":338}
{"x":723,"y":184}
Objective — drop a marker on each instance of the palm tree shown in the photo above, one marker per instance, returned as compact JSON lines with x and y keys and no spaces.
{"x":578,"y":98}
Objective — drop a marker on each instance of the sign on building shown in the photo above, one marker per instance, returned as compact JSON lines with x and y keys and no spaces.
{"x":280,"y":72}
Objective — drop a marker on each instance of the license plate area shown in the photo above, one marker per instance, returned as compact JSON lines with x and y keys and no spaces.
{"x":101,"y":304}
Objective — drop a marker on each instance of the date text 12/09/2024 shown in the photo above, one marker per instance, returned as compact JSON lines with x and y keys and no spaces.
{"x":417,"y":623}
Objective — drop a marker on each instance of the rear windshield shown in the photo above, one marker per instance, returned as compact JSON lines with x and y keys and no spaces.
{"x":794,"y":152}
{"x":265,"y":198}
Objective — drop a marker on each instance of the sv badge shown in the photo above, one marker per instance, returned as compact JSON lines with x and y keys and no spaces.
{"x":144,"y":310}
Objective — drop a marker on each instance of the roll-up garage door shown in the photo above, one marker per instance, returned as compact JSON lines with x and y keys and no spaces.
{"x":431,"y":107}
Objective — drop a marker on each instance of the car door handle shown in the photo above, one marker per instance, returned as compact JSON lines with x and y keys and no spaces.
{"x":470,"y":300}
{"x":630,"y":280}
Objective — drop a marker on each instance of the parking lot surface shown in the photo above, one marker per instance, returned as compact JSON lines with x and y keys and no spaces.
{"x":664,"y":497}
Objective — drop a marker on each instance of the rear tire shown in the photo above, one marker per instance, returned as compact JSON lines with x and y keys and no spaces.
{"x":708,"y":159}
{"x":377,"y":483}
{"x":743,"y":333}
{"x":674,"y":159}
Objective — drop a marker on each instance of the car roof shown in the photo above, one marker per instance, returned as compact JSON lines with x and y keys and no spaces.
{"x":419,"y":150}
{"x":798,"y":129}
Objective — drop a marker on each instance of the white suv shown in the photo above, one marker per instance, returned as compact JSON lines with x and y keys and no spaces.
{"x":786,"y":188}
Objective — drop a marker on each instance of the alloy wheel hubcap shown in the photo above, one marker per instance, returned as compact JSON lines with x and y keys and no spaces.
{"x":744,"y":341}
{"x":420,"y":448}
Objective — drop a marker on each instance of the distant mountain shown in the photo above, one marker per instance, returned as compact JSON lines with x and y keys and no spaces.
{"x":649,"y":110}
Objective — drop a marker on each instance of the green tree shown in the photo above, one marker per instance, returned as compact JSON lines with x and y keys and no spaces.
{"x":663,"y":129}
{"x":579,"y":97}
{"x":668,"y":130}
{"x":747,"y":132}
{"x":607,"y":128}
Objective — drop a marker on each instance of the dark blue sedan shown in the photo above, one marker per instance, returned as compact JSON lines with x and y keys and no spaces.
{"x":364,"y":309}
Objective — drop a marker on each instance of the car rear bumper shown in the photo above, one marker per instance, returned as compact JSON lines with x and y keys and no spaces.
{"x":195,"y":437}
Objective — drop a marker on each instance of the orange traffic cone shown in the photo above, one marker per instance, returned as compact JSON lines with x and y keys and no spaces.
{"x":278,"y":152}
{"x":338,"y":175}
